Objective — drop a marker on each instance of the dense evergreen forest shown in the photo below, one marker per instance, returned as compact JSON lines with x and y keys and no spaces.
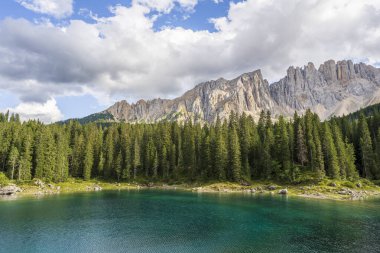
{"x":239,"y":149}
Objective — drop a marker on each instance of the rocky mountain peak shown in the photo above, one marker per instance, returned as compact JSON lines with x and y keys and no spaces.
{"x":334,"y":88}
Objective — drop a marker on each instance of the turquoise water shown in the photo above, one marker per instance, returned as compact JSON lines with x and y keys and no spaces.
{"x":175,"y":221}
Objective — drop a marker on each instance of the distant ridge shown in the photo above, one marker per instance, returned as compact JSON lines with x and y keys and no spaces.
{"x":334,"y":89}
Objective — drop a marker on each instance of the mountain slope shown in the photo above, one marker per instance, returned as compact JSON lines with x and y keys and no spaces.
{"x":332,"y":89}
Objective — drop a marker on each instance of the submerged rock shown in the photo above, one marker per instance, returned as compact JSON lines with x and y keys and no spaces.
{"x":9,"y":190}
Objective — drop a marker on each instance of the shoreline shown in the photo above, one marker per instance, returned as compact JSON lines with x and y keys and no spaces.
{"x":329,"y":190}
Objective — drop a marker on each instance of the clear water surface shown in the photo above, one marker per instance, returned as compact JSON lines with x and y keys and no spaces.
{"x":177,"y":221}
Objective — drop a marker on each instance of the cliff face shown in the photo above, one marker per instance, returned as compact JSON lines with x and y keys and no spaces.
{"x":332,"y":89}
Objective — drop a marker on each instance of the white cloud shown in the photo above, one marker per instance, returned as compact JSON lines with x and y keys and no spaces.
{"x":123,"y":56}
{"x":166,"y":6}
{"x":188,"y":4}
{"x":46,"y":112}
{"x":217,"y":1}
{"x":55,"y":8}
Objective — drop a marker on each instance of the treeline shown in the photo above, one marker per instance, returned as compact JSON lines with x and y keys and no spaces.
{"x":236,"y":150}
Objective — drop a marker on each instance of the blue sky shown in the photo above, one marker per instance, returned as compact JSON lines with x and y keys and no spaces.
{"x":83,"y":105}
{"x":197,"y":19}
{"x":61,"y":59}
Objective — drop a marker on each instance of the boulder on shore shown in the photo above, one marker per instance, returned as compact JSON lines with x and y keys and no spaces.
{"x":39,"y":183}
{"x":9,"y":190}
{"x":283,"y":191}
{"x":244,"y":183}
{"x":97,"y":188}
{"x":272,"y":187}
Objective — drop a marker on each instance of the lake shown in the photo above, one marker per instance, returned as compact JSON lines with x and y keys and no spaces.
{"x":179,"y":221}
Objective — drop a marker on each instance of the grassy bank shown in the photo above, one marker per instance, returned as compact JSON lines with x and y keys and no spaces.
{"x":325,"y":189}
{"x":37,"y":187}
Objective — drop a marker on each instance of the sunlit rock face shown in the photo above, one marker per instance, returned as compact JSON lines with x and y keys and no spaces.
{"x":332,"y":89}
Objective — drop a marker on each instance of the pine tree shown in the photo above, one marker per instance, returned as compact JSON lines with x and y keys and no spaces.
{"x":88,"y":160}
{"x":13,"y":161}
{"x":136,"y":162}
{"x":50,"y":155}
{"x":366,"y":150}
{"x":378,"y":153}
{"x":206,"y":160}
{"x":261,"y":126}
{"x":118,"y":165}
{"x":109,"y":152}
{"x":311,"y":141}
{"x":330,"y":153}
{"x":245,"y":142}
{"x":98,"y":152}
{"x":283,"y":150}
{"x":189,"y":149}
{"x":39,"y":155}
{"x":78,"y":150}
{"x":300,"y":145}
{"x":155,"y":165}
{"x":172,"y":160}
{"x":318,"y":160}
{"x":266,"y":156}
{"x":345,"y":156}
{"x":351,"y":170}
{"x":25,"y":167}
{"x":163,"y":151}
{"x":220,"y":154}
{"x":234,"y":155}
{"x":61,"y":171}
{"x":149,"y":156}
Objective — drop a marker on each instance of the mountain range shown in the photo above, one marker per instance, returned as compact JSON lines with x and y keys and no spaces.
{"x":333,"y":89}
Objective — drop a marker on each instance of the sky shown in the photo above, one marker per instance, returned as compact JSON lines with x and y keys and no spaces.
{"x":63,"y":59}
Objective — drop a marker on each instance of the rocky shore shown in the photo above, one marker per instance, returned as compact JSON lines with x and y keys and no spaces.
{"x":329,"y":190}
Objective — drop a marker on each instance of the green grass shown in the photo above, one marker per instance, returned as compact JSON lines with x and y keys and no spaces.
{"x":325,"y":188}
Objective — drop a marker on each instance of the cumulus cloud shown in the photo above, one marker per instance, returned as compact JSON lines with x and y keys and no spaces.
{"x":166,"y":6}
{"x":47,"y":112}
{"x":124,"y":56}
{"x":56,"y":8}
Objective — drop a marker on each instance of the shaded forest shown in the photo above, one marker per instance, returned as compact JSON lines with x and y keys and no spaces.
{"x":239,"y":149}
